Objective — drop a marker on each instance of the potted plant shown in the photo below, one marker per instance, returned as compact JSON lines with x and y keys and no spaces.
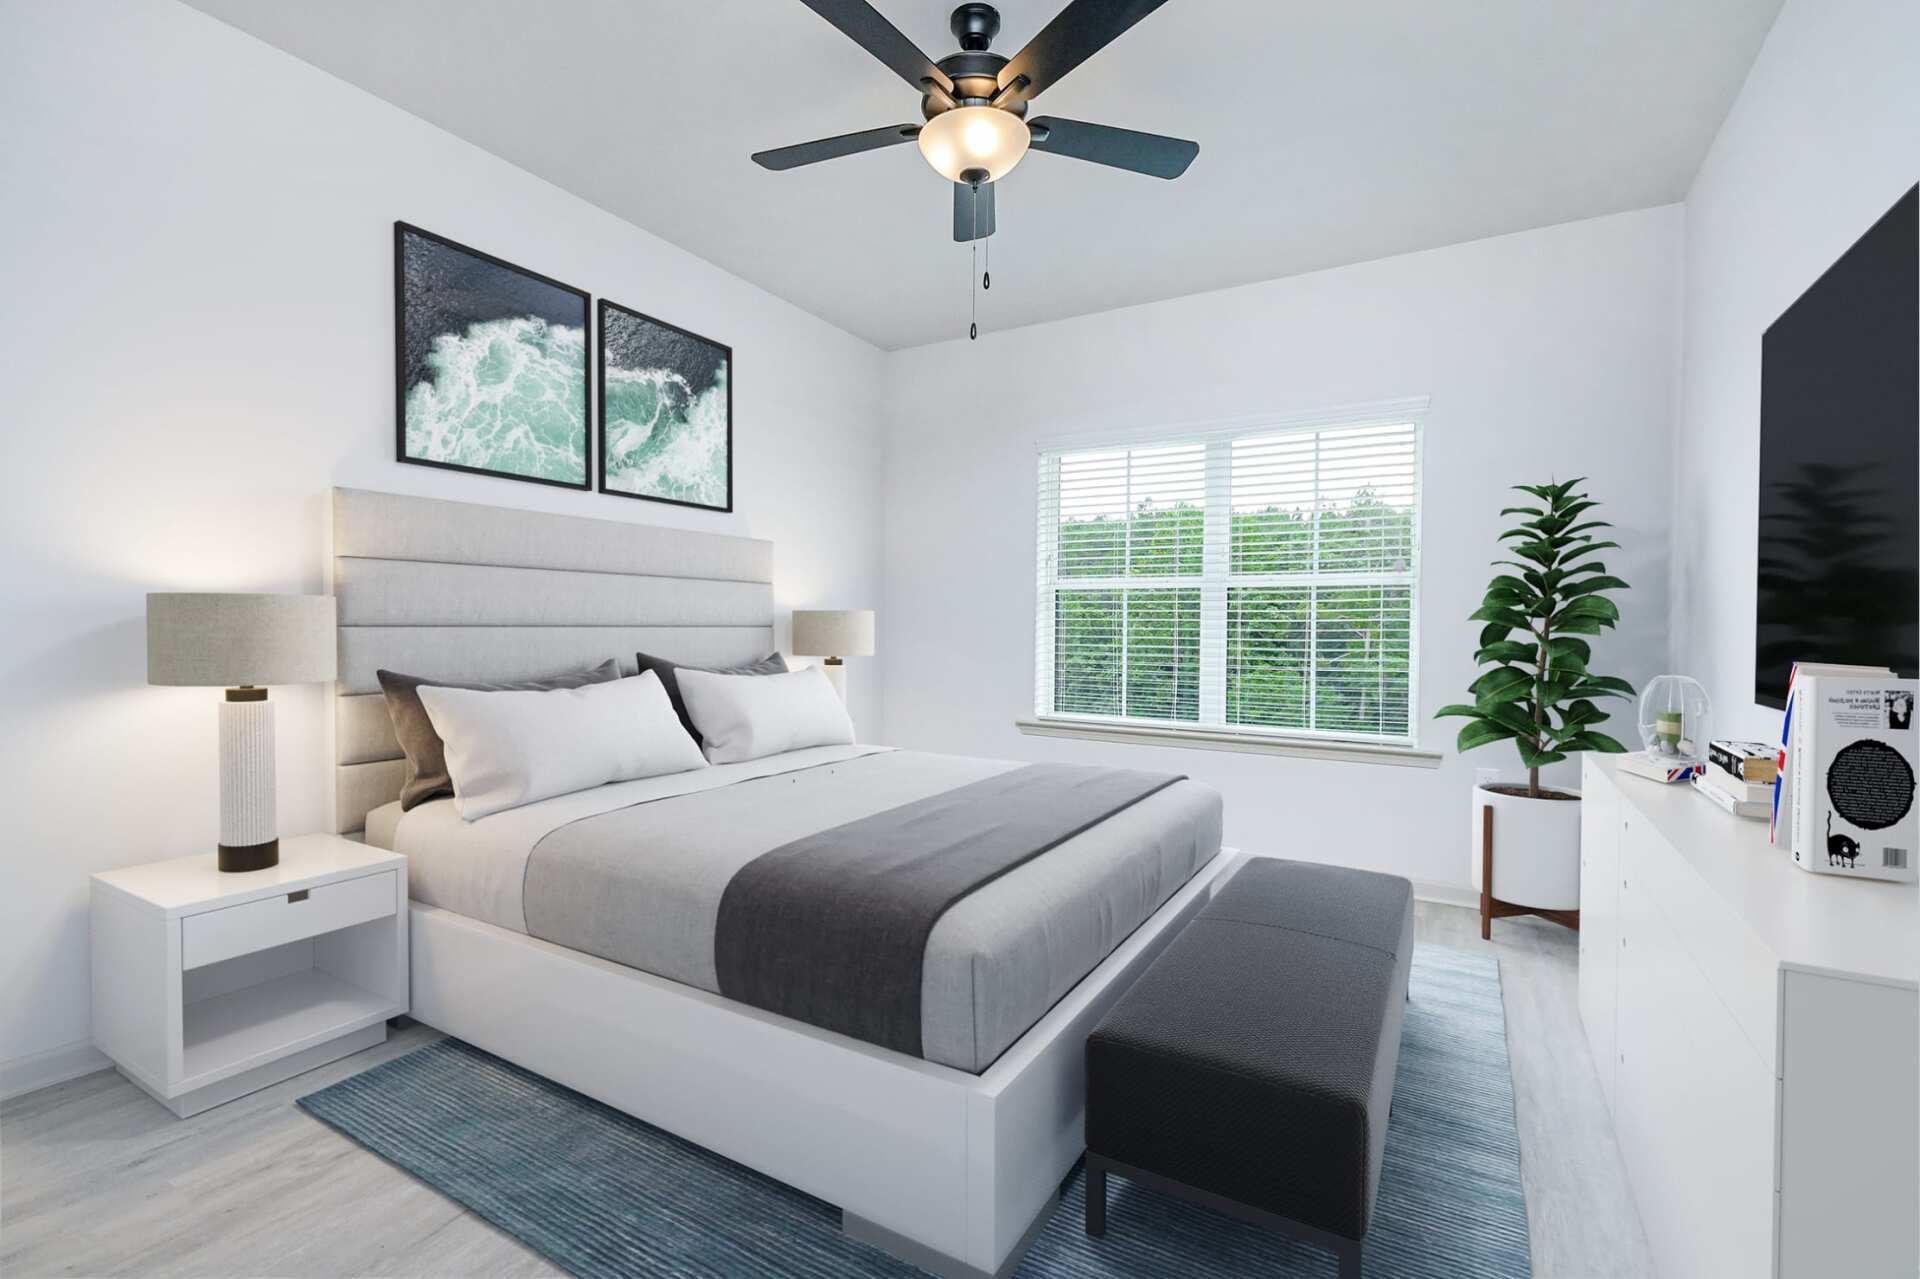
{"x":1539,"y":694}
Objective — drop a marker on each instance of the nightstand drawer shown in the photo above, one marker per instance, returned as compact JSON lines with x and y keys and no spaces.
{"x":273,"y":921}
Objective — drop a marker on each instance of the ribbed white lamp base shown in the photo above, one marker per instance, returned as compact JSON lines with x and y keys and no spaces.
{"x":836,"y":672}
{"x":248,"y":838}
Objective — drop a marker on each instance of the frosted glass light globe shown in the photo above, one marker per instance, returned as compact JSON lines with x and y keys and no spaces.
{"x":974,"y":138}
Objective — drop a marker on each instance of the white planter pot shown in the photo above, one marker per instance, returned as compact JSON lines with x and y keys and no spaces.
{"x":1536,"y":849}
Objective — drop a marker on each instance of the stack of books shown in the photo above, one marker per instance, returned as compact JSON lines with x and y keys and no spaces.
{"x":1739,"y":777}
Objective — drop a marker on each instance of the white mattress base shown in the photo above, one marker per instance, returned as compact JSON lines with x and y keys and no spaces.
{"x":959,"y":1165}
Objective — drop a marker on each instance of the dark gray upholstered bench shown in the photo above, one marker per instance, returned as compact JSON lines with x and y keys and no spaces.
{"x":1251,"y":1066}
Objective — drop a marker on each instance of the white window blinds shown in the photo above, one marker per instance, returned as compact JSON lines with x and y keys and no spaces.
{"x":1261,"y":581}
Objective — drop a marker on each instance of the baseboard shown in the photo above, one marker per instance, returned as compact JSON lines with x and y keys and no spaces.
{"x":1446,"y":894}
{"x":22,"y":1075}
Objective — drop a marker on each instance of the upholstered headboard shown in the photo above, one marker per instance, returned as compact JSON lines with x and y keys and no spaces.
{"x":451,"y":590}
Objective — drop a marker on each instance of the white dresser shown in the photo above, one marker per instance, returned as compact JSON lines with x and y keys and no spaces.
{"x":1757,"y":1031}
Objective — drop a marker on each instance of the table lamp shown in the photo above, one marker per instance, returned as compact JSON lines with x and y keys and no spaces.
{"x":833,"y":633}
{"x":242,"y":643}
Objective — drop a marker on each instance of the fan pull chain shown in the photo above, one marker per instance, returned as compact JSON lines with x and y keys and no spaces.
{"x":986,"y":279}
{"x":973,"y":245}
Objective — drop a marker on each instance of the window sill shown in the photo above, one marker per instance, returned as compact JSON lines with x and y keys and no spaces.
{"x":1242,"y":743}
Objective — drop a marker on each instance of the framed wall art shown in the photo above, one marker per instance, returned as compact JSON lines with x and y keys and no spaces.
{"x":491,"y":364}
{"x":666,"y":412}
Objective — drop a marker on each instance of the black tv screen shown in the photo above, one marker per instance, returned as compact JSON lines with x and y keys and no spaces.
{"x":1839,"y":577}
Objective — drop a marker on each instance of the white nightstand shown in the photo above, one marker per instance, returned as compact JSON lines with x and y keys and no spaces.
{"x":207,"y":986}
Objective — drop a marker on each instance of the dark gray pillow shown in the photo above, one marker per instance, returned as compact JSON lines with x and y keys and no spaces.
{"x":771,"y":664}
{"x":426,"y":754}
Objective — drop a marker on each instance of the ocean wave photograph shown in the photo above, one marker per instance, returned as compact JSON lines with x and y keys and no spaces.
{"x":492,"y":364}
{"x":666,"y":412}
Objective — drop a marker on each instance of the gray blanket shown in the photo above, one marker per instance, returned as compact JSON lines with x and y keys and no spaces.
{"x":642,"y":886}
{"x":832,"y":929}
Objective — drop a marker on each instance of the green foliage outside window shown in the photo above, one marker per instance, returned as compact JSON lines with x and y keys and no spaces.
{"x":1135,"y":651}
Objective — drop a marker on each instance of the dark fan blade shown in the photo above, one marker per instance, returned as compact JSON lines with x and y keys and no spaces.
{"x":1119,"y":148}
{"x":1076,"y":33}
{"x":970,"y":223}
{"x":833,"y":148}
{"x":861,"y":23}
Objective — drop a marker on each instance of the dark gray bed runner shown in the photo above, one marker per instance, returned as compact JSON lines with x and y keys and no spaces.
{"x":832,"y":929}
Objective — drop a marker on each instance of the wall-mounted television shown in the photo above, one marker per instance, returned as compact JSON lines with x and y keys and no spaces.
{"x":1839,"y":544}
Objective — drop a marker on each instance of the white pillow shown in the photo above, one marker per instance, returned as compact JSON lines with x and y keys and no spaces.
{"x":508,"y":748}
{"x":749,"y":716}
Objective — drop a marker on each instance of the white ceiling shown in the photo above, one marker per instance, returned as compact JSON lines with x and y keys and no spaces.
{"x":1330,"y":131}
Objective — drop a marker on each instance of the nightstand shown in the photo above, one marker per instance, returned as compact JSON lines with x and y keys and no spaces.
{"x":209,"y":985}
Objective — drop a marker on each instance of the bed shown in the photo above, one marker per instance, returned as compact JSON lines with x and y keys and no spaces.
{"x":577,"y":936}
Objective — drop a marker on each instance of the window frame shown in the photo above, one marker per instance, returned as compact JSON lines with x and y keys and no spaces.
{"x":1214,"y":583}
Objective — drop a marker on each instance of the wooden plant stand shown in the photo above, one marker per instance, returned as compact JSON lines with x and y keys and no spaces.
{"x":1491,"y":907}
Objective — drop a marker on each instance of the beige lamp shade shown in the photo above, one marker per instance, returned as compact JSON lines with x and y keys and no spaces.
{"x":833,"y":632}
{"x":222,"y":641}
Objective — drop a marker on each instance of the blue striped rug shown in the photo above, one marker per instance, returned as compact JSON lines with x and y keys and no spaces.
{"x":603,"y":1195}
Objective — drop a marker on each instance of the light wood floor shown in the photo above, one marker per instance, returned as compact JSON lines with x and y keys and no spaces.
{"x":97,"y":1179}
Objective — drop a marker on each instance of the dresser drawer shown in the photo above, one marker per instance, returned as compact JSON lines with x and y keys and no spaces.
{"x":273,"y":921}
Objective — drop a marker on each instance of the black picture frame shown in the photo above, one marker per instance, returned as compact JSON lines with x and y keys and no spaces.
{"x":600,"y":394}
{"x":401,"y":230}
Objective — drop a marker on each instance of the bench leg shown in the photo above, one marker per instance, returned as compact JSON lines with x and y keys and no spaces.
{"x":1097,"y":1200}
{"x":1350,"y":1260}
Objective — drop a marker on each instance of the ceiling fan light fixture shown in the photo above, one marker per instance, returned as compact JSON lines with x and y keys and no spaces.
{"x":974,"y":137}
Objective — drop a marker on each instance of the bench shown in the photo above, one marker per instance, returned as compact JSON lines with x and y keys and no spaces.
{"x":1251,"y":1066}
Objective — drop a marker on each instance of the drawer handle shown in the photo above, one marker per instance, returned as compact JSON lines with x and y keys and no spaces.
{"x":297,"y":896}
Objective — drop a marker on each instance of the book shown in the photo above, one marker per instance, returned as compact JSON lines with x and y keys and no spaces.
{"x":1659,"y":768}
{"x":1778,"y":830}
{"x":1736,"y":790}
{"x":1748,"y":761}
{"x":1852,"y":769}
{"x":1725,"y":800}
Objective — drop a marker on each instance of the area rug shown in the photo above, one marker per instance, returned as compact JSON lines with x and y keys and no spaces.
{"x":601,"y":1195}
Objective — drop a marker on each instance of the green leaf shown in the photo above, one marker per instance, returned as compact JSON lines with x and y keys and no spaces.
{"x":1591,"y":566}
{"x":1567,"y":512}
{"x":1586,"y":548}
{"x":1494,"y":634}
{"x":1580,"y":711}
{"x":1533,"y":757}
{"x":1521,"y":510}
{"x":1541,"y":491}
{"x":1508,"y":651}
{"x":1510,"y":715}
{"x":1500,"y":597}
{"x":1609,"y":683}
{"x":1597,"y":607}
{"x":1502,"y":616}
{"x":1598,"y":582}
{"x":1500,"y":684}
{"x":1581,"y":528}
{"x":1508,"y":582}
{"x":1541,"y":553}
{"x":1578,"y":625}
{"x":1562,"y":647}
{"x":1560,"y":491}
{"x":1599,"y":742}
{"x":1456,"y":708}
{"x":1480,"y":733}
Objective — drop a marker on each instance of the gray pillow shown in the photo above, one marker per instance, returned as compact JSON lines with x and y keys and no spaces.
{"x":771,"y":664}
{"x":426,"y":754}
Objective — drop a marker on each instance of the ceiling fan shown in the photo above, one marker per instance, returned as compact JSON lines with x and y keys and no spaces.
{"x":975,"y":102}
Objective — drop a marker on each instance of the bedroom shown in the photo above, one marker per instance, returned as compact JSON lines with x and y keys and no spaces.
{"x":1541,"y":242}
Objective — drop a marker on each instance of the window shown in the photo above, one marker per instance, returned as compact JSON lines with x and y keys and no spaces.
{"x":1260,"y":580}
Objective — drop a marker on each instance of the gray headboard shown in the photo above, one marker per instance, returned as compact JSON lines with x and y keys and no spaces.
{"x":451,"y":590}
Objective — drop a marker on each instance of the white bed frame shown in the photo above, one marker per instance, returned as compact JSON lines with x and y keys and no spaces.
{"x":951,"y":1171}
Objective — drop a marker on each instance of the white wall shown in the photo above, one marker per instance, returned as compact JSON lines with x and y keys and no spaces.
{"x":197,"y":337}
{"x":1545,"y":354}
{"x":1823,"y":138}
